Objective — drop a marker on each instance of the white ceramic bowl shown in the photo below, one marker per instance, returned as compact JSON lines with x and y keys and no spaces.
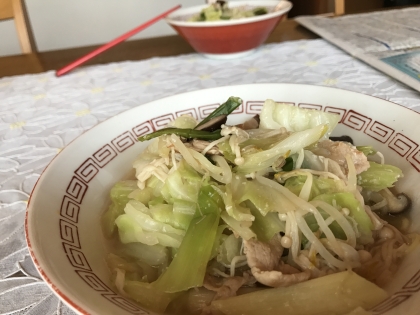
{"x":63,"y":219}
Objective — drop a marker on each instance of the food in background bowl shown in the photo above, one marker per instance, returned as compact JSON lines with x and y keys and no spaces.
{"x":221,"y":11}
{"x":62,"y":226}
{"x":272,"y":202}
{"x":229,"y":38}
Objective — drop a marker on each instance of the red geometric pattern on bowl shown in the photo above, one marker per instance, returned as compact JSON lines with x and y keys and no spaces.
{"x":70,"y":209}
{"x":335,"y":110}
{"x":255,"y":107}
{"x":78,"y":185}
{"x":310,"y":106}
{"x":379,"y":132}
{"x":104,"y":155}
{"x":143,"y":129}
{"x":161,"y":121}
{"x":87,"y":170}
{"x":69,"y":233}
{"x":192,"y":112}
{"x":402,"y":145}
{"x":414,"y":159}
{"x":230,"y":38}
{"x":77,"y":189}
{"x":124,"y":141}
{"x":204,"y":111}
{"x":356,"y":121}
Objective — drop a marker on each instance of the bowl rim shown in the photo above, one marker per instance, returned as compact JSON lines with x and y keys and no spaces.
{"x":34,"y":253}
{"x":196,"y":9}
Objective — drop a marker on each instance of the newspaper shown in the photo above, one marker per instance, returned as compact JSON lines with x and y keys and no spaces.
{"x":387,"y":40}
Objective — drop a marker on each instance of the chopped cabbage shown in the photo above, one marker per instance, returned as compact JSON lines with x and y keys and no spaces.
{"x":153,"y":255}
{"x":292,"y":144}
{"x":366,"y":149}
{"x":265,"y":226}
{"x":120,"y":195}
{"x":276,"y":115}
{"x":137,"y":225}
{"x":379,"y":176}
{"x":188,"y":268}
{"x":320,"y":185}
{"x":230,"y":248}
{"x":357,"y":212}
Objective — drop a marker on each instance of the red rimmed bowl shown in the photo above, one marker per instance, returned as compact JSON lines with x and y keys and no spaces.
{"x":229,"y":38}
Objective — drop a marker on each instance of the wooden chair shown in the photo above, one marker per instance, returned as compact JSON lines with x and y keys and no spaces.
{"x":13,"y":9}
{"x":339,"y":7}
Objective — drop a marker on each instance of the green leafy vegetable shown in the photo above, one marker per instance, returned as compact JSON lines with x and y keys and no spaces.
{"x":264,"y":198}
{"x":379,"y":176}
{"x":288,"y":166}
{"x":225,"y":109}
{"x":357,"y":212}
{"x":292,"y":144}
{"x":188,"y":268}
{"x":183,"y":184}
{"x":229,"y":248}
{"x":153,"y":255}
{"x":164,"y":213}
{"x":276,"y":115}
{"x":185,"y":133}
{"x":119,"y":198}
{"x":260,"y":11}
{"x":334,"y":226}
{"x":367,"y":150}
{"x":137,"y":225}
{"x":265,"y":227}
{"x":320,"y":185}
{"x":148,"y":295}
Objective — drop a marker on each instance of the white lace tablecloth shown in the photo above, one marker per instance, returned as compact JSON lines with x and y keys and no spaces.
{"x":40,"y":114}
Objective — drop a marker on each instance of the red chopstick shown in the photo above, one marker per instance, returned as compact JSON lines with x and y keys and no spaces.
{"x":112,"y":43}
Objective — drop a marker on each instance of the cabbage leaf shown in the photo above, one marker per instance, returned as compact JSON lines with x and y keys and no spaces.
{"x":379,"y":176}
{"x":276,"y":115}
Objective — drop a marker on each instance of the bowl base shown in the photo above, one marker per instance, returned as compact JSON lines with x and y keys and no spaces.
{"x":231,"y":55}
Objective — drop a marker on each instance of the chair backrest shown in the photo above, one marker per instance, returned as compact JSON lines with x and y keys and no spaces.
{"x":13,"y":9}
{"x":339,"y":7}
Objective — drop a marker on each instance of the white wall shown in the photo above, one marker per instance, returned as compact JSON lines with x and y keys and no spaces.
{"x":59,"y":24}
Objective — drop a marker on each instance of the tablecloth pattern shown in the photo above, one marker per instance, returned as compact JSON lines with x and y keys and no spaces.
{"x":40,"y":114}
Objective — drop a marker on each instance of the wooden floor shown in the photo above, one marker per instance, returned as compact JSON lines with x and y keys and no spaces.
{"x":129,"y":50}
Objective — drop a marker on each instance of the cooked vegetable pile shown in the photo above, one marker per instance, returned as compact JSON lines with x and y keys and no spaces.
{"x":268,"y":217}
{"x":220,"y":11}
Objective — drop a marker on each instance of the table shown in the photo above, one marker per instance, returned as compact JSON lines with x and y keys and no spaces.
{"x":40,"y":114}
{"x":129,"y":50}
